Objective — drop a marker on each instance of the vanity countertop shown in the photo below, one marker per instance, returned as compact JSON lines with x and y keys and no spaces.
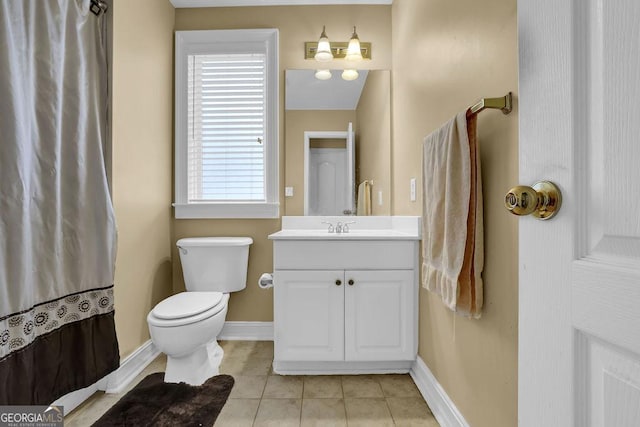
{"x":362,"y":228}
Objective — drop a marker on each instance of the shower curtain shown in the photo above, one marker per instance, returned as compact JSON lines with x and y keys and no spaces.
{"x":57,"y":228}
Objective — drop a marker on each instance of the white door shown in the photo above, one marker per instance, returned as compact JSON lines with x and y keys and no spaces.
{"x":308,"y":315}
{"x":348,"y":183}
{"x":380,"y":315}
{"x":579,"y":284}
{"x":328,"y":194}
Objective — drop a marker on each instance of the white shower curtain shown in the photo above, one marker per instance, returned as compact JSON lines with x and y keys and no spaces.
{"x":57,"y":229}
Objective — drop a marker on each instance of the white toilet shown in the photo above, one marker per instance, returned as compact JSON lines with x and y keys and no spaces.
{"x":185,"y":326}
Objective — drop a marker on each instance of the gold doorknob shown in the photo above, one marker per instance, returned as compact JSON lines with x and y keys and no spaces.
{"x":543,"y":200}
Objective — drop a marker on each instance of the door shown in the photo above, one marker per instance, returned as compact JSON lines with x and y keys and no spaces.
{"x":348,"y":184}
{"x":308,"y":315}
{"x":380,"y":315}
{"x":328,"y":194}
{"x":579,"y":284}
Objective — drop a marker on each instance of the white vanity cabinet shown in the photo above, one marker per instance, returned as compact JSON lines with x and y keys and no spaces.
{"x":356,"y":315}
{"x":345,"y":304}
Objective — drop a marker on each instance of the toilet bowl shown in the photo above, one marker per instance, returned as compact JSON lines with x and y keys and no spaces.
{"x":185,"y":326}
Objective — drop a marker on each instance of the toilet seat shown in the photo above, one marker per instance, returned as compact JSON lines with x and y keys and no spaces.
{"x":186,"y":308}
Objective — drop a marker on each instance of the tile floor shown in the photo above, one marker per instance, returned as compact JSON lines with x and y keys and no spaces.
{"x":262,"y":398}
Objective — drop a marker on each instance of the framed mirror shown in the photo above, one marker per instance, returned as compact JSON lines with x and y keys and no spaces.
{"x":325,"y":174}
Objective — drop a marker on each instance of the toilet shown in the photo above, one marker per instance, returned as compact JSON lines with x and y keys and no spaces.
{"x":185,"y":326}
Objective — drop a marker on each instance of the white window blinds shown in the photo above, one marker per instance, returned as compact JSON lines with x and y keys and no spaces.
{"x":226,"y":127}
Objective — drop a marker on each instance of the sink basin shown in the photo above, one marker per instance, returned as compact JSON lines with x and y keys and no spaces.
{"x":364,"y":228}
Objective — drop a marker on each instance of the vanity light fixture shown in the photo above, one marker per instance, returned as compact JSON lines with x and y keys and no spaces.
{"x":350,"y":74}
{"x":323,"y":51}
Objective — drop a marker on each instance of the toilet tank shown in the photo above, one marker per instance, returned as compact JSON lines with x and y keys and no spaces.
{"x":214,"y":263}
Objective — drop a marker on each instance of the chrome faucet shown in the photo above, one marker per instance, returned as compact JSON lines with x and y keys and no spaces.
{"x":339,"y":227}
{"x":345,"y":226}
{"x":330,"y":229}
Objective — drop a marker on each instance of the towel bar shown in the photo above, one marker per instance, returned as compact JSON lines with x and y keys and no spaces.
{"x":502,"y":103}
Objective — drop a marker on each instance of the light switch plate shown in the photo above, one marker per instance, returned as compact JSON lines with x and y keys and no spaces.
{"x":288,"y":191}
{"x":413,"y":189}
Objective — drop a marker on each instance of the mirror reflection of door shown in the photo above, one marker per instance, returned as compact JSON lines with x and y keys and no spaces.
{"x":329,"y":172}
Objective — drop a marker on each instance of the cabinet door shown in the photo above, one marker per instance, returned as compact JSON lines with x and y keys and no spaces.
{"x":380,"y":315}
{"x":309,"y":315}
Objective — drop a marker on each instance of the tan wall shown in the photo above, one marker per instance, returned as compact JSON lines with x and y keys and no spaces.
{"x":296,"y":24}
{"x":296,"y":123}
{"x":373,"y":138}
{"x":141,"y":169}
{"x":446,"y":55}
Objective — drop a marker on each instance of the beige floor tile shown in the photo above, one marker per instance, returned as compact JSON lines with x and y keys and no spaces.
{"x":248,"y":386}
{"x":238,"y":413}
{"x":322,"y":387}
{"x":241,"y":366}
{"x":323,"y":413}
{"x":368,"y":413}
{"x":361,"y":386}
{"x":411,"y":412}
{"x":278,"y":413}
{"x":281,"y":387}
{"x":398,"y":386}
{"x":248,"y":349}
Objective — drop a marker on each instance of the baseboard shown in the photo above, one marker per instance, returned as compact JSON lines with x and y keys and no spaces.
{"x":130,"y":367}
{"x":116,"y":381}
{"x":71,"y":401}
{"x":247,"y":331}
{"x":441,"y":405}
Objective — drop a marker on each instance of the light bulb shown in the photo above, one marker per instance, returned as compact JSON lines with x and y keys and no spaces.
{"x":353,"y":51}
{"x":349,"y":74}
{"x":323,"y":74}
{"x":323,"y":53}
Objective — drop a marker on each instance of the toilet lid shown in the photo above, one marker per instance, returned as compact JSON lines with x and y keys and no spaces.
{"x":186,"y":304}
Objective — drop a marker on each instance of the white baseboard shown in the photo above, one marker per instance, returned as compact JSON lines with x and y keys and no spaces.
{"x":71,"y":401}
{"x":441,"y":405}
{"x":130,"y":367}
{"x":247,"y":331}
{"x":116,"y":381}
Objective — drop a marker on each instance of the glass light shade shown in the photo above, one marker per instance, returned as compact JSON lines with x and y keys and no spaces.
{"x":353,"y":51}
{"x":323,"y":53}
{"x":349,"y":74}
{"x":323,"y":74}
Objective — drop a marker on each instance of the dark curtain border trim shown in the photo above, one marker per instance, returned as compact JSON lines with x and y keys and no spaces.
{"x":69,"y":358}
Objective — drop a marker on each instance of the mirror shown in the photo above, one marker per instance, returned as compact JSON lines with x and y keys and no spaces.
{"x":325,"y":174}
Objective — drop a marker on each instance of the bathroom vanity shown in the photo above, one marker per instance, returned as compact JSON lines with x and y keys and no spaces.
{"x":345,"y":302}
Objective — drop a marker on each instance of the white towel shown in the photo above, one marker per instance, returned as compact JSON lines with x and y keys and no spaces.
{"x":364,"y":199}
{"x":452,"y":249}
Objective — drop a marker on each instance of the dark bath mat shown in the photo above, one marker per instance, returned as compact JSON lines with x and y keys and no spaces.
{"x":156,"y":403}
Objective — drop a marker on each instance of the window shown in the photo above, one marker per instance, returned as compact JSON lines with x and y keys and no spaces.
{"x":226,"y":162}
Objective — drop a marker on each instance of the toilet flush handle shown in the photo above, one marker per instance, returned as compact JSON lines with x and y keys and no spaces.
{"x":184,"y":251}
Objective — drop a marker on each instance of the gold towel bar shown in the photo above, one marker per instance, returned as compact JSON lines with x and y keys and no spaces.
{"x":503,"y":103}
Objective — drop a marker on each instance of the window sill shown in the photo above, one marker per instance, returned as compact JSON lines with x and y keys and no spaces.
{"x":226,"y":210}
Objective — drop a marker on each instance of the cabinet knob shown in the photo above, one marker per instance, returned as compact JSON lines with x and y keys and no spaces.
{"x":338,"y":282}
{"x":351,"y":282}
